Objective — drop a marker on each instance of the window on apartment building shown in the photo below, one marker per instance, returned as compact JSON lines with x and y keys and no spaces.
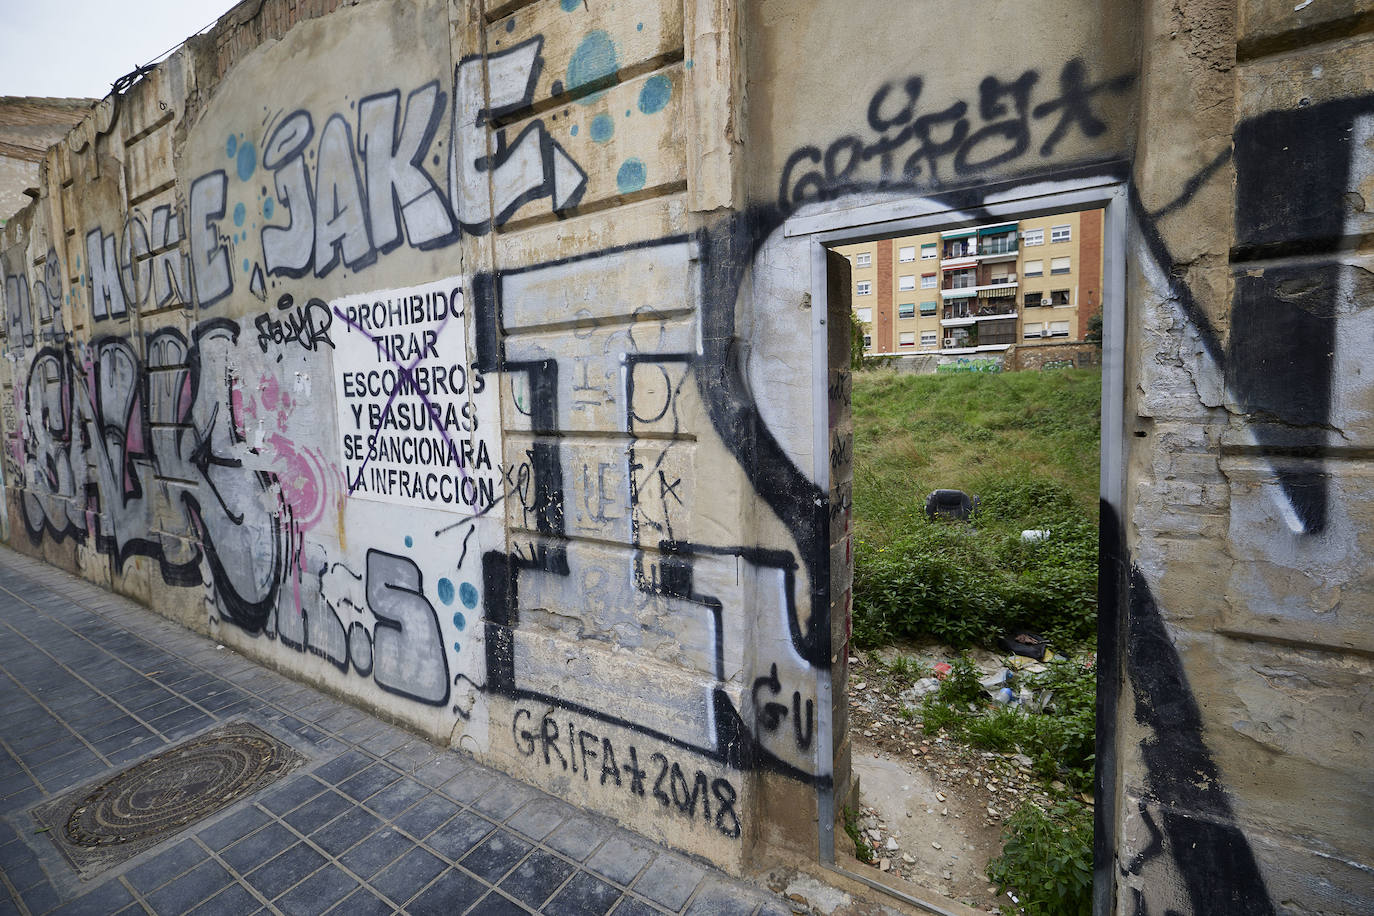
{"x":927,"y":281}
{"x":868,"y":341}
{"x":1033,"y":329}
{"x":863,"y":288}
{"x":1059,"y":265}
{"x":907,"y":339}
{"x":929,"y":339}
{"x":1061,"y":233}
{"x":963,"y":279}
{"x":1059,"y":297}
{"x":1033,"y":237}
{"x":1032,"y":300}
{"x":906,"y":310}
{"x":906,"y":254}
{"x":863,"y":259}
{"x":906,"y":283}
{"x":1059,"y":329}
{"x":929,"y":251}
{"x":1035,"y":268}
{"x":864,"y":315}
{"x":928,"y":308}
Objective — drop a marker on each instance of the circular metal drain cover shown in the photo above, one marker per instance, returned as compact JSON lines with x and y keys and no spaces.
{"x":171,"y":790}
{"x":97,"y":828}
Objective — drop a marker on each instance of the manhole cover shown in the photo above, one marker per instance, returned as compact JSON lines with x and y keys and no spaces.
{"x":97,"y":828}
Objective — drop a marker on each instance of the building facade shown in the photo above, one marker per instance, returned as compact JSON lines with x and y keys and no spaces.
{"x":979,"y":289}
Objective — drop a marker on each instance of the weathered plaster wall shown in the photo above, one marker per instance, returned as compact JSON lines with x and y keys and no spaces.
{"x":594,"y":542}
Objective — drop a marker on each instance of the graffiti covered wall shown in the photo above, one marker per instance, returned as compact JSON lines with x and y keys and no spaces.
{"x":480,"y":387}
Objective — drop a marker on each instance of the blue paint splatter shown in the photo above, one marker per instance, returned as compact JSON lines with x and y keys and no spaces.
{"x":627,"y":112}
{"x":446,"y":591}
{"x":267,"y":207}
{"x":246,"y":161}
{"x":630,"y":177}
{"x":688,"y":65}
{"x":570,"y":5}
{"x":467,"y":593}
{"x":573,"y":130}
{"x":240,"y":214}
{"x":231,"y":146}
{"x":639,"y":27}
{"x":457,"y":647}
{"x":602,"y":128}
{"x":245,"y":265}
{"x":655,"y":94}
{"x":593,"y":60}
{"x":410,"y":541}
{"x":459,"y":621}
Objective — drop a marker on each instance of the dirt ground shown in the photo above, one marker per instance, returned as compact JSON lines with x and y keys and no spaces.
{"x":931,"y":809}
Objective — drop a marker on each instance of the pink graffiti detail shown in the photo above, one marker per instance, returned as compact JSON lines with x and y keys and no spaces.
{"x":305,"y":479}
{"x":271,"y":392}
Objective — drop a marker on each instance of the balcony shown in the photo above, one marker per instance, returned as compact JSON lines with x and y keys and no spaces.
{"x":966,"y":312}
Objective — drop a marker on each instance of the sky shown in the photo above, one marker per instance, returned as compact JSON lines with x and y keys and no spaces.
{"x":77,"y":48}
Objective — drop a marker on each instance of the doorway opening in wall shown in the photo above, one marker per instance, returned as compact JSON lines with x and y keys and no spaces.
{"x":966,"y":679}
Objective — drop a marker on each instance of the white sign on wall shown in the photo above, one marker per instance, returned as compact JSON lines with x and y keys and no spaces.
{"x":405,"y":390}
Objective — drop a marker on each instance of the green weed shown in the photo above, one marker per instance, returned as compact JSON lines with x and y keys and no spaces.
{"x":1046,"y":860}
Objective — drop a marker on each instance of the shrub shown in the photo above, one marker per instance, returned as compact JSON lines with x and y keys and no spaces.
{"x":1046,"y":860}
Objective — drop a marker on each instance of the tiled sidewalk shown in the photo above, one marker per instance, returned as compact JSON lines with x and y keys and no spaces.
{"x":377,"y":821}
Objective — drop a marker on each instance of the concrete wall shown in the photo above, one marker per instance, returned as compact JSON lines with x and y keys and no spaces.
{"x":602,"y":539}
{"x":28,"y":126}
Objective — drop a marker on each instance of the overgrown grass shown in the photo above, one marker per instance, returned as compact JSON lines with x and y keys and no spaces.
{"x":1046,"y":860}
{"x":1027,"y":445}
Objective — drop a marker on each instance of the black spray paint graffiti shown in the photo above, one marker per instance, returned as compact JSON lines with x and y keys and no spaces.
{"x":109,"y":440}
{"x":576,"y":749}
{"x":741,"y":738}
{"x":910,"y":147}
{"x":307,"y":325}
{"x":361,"y":200}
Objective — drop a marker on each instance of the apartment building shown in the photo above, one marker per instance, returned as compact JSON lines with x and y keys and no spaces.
{"x":979,"y":289}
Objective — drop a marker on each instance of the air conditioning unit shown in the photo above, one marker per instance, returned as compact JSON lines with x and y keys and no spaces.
{"x":1044,"y":300}
{"x":1044,"y":332}
{"x":949,"y":342}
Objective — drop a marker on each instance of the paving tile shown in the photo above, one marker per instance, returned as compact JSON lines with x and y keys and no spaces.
{"x":536,"y":878}
{"x":257,"y":848}
{"x":620,"y":859}
{"x":295,"y":791}
{"x":180,"y":895}
{"x":316,"y":893}
{"x":369,"y":781}
{"x":584,"y":895}
{"x":343,"y":766}
{"x":25,"y":875}
{"x":577,"y":837}
{"x":632,"y":906}
{"x":458,"y":836}
{"x":538,"y":818}
{"x":469,"y":784}
{"x":450,"y":894}
{"x":318,"y":811}
{"x":442,"y":768}
{"x":234,"y":827}
{"x":345,"y":831}
{"x":165,"y":866}
{"x":722,"y":900}
{"x":106,"y":898}
{"x":363,"y":902}
{"x":234,"y":899}
{"x":669,"y":881}
{"x":404,"y":877}
{"x":496,"y":855}
{"x":396,"y":797}
{"x":40,"y":898}
{"x":426,"y":815}
{"x":284,"y":870}
{"x":493,"y":904}
{"x":372,"y":854}
{"x":504,"y":798}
